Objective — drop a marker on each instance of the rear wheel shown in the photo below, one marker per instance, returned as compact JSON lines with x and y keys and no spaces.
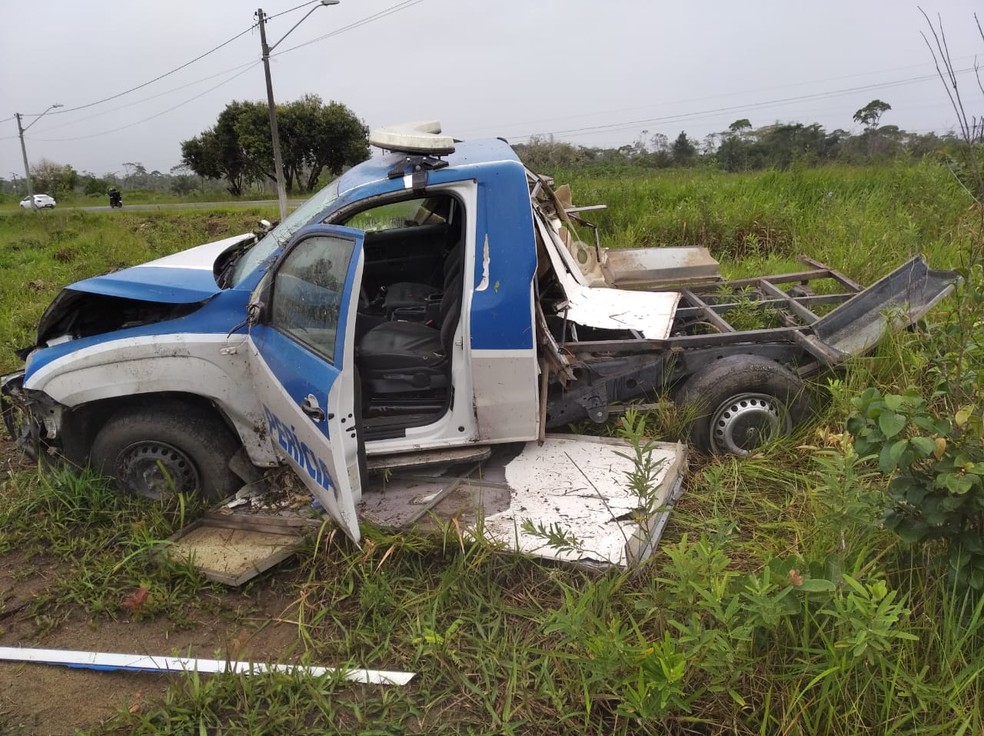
{"x":742,"y":403}
{"x":155,"y":452}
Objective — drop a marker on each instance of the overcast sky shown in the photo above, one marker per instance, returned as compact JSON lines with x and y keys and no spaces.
{"x":592,"y":73}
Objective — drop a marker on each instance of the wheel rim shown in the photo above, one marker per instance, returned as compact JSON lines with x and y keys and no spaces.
{"x":156,"y":469}
{"x":747,"y":421}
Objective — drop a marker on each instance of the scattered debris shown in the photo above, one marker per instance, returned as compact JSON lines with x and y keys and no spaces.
{"x":134,"y":602}
{"x":234,"y":547}
{"x":111,"y":662}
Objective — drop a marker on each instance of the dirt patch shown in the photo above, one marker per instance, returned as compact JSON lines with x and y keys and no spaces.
{"x":216,"y":226}
{"x":252,"y":625}
{"x":11,"y":459}
{"x":44,"y":699}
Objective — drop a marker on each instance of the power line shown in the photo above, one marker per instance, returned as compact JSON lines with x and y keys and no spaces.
{"x":499,"y":130}
{"x":364,"y":21}
{"x":157,"y":115}
{"x":148,"y":99}
{"x":296,"y":7}
{"x":610,"y":127}
{"x":158,"y":78}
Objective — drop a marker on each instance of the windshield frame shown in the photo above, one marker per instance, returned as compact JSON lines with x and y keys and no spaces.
{"x":276,"y":239}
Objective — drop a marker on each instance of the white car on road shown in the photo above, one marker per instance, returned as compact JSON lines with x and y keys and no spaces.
{"x":40,"y":200}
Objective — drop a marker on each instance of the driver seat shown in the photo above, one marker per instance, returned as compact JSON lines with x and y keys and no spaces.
{"x":410,"y":357}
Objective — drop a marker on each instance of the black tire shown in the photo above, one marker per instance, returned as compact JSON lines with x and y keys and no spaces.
{"x":742,"y":403}
{"x":155,"y":452}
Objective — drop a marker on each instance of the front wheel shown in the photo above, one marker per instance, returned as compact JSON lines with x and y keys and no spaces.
{"x":155,"y":452}
{"x":742,"y":402}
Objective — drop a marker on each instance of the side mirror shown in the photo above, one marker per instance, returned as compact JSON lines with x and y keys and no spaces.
{"x":258,"y":309}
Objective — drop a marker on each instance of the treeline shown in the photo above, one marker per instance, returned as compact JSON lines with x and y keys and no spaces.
{"x":745,"y":148}
{"x":320,"y":140}
{"x":235,"y":155}
{"x":61,"y":179}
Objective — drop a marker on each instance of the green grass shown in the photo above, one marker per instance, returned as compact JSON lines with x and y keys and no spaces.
{"x":10,"y":204}
{"x":107,"y":545}
{"x":776,"y":604}
{"x":859,"y":220}
{"x":42,"y":252}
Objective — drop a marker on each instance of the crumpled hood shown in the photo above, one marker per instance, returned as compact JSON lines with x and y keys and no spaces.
{"x":182,"y":278}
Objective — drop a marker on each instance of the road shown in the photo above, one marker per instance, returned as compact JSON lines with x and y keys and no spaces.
{"x":187,"y":205}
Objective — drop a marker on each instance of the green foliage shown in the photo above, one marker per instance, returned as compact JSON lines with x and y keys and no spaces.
{"x":93,"y":186}
{"x":217,"y":154}
{"x":641,"y":480}
{"x":543,"y":153}
{"x":40,"y":255}
{"x":744,"y":148}
{"x":760,"y":222}
{"x":776,"y":603}
{"x":314,"y":138}
{"x":936,"y":466}
{"x":870,"y":114}
{"x":52,"y":178}
{"x":112,"y":543}
{"x":683,"y":150}
{"x":747,"y":313}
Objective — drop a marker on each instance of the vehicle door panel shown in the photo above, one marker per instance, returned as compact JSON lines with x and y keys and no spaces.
{"x":302,"y":353}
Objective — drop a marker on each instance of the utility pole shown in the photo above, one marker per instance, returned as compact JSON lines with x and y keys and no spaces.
{"x":278,"y":164}
{"x":27,"y":169}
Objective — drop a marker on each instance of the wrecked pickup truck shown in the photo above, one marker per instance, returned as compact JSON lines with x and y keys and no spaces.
{"x":433,"y":301}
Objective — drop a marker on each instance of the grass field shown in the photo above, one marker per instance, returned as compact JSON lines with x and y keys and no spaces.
{"x":778,"y":602}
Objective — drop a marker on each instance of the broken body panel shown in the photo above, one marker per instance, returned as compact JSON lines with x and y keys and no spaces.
{"x":565,"y":500}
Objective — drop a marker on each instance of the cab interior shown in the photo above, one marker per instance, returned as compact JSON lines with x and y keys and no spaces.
{"x":409,"y":311}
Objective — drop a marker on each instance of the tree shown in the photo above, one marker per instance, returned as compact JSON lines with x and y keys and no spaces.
{"x":183,"y":184}
{"x":217,"y":152}
{"x":659,"y":143}
{"x":92,"y":184}
{"x":683,"y":150}
{"x":735,"y":151}
{"x":740,"y":127}
{"x":710,"y":143}
{"x":319,"y":137}
{"x":543,"y":153}
{"x":870,"y":114}
{"x":782,"y":144}
{"x":313,"y":137}
{"x":53,"y":178}
{"x":734,"y":154}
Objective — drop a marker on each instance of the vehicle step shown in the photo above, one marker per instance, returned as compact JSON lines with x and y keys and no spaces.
{"x":450,"y":456}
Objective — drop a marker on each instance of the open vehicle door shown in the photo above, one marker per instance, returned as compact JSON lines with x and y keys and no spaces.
{"x":302,"y":348}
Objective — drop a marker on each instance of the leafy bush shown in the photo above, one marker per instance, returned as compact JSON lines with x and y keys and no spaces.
{"x":936,"y":465}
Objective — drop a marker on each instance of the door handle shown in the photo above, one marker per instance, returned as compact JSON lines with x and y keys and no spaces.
{"x":310,"y":407}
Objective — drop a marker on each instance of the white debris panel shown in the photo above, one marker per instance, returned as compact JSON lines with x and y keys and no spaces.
{"x":109,"y":662}
{"x":579,"y":487}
